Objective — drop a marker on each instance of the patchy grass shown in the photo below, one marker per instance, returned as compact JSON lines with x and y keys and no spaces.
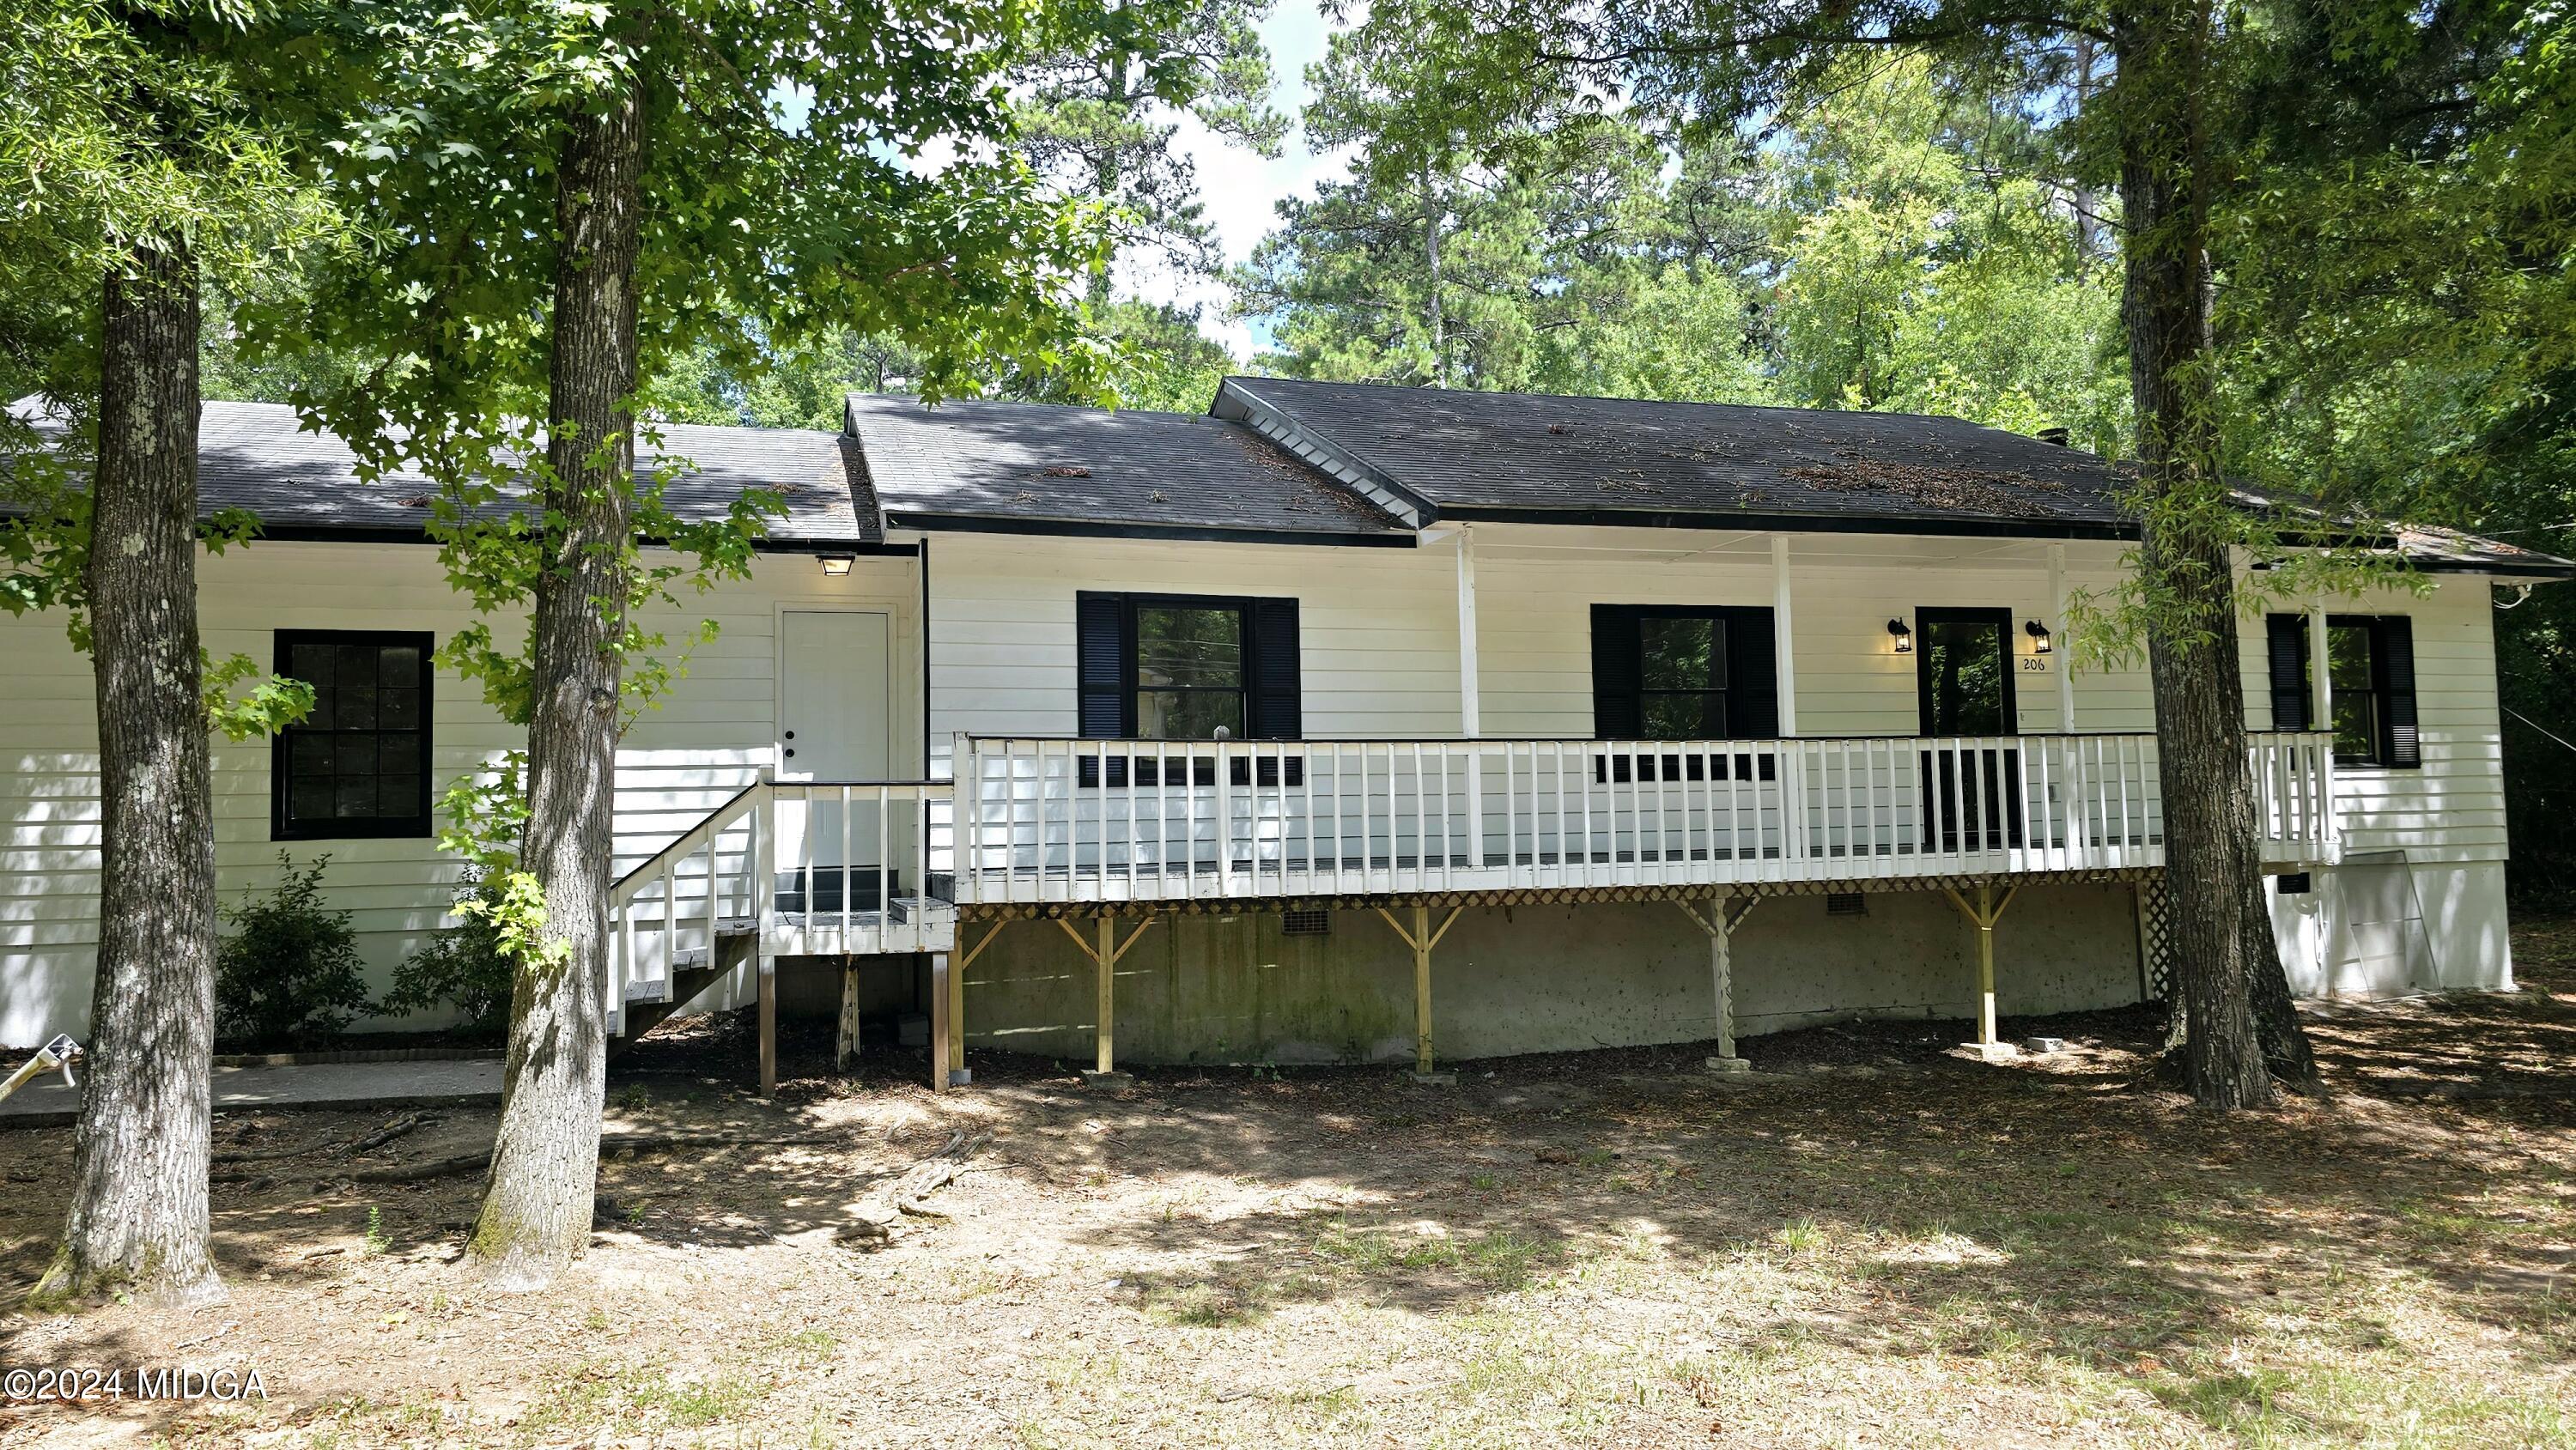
{"x":1870,"y":1243}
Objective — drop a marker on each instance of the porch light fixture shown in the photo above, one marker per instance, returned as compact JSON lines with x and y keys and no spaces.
{"x":837,"y":566}
{"x":1903,"y":636}
{"x":2040,"y":642}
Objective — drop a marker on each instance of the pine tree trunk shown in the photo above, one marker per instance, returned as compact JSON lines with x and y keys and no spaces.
{"x":141,"y":1151}
{"x":1432,"y":216}
{"x":2213,"y":862}
{"x":545,"y":1162}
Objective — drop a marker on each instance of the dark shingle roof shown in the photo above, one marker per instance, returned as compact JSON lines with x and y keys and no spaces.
{"x":1040,"y":463}
{"x":1463,"y":453}
{"x":257,"y":456}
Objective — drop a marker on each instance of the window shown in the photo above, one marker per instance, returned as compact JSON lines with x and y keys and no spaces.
{"x":1672,"y":673}
{"x":359,"y":764}
{"x":1189,"y":672}
{"x":1163,"y":667}
{"x":2370,"y":675}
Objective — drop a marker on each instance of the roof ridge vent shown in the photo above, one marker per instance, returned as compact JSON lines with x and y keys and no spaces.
{"x":2058,"y":436}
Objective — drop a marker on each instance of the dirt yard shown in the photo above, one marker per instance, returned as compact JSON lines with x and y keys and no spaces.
{"x":1871,"y":1242}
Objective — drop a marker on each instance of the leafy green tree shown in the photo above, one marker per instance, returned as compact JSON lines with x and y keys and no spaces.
{"x":1921,"y":276}
{"x":2400,"y":319}
{"x":1100,"y":123}
{"x":156,"y":144}
{"x":569,"y":197}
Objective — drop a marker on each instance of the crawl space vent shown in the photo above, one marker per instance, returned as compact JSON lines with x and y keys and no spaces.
{"x":1305,"y":923}
{"x":1846,"y":903}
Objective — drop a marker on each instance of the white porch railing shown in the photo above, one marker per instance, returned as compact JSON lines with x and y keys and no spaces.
{"x":1055,"y":820}
{"x":806,"y":867}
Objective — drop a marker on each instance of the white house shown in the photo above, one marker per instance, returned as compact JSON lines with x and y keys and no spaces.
{"x":1345,"y":723}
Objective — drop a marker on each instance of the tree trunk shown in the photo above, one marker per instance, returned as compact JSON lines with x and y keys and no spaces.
{"x":141,"y":1151}
{"x":1431,"y":219}
{"x":545,"y":1161}
{"x":2088,"y":206}
{"x":2213,"y":861}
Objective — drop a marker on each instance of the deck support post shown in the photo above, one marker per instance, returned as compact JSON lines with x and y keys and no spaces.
{"x":1104,"y":962}
{"x":845,"y":1044}
{"x":943,"y":972}
{"x":956,"y":1073}
{"x":768,"y":994}
{"x":1725,"y":914}
{"x":1422,"y":938}
{"x":1988,"y":910}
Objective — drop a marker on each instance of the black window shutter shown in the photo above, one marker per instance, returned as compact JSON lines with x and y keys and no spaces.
{"x":2396,"y":654}
{"x":1752,"y":676}
{"x":1102,"y":668}
{"x":1278,"y":708}
{"x":1616,"y":673}
{"x":2287,"y":647}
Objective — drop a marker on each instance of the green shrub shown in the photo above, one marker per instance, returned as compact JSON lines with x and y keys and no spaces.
{"x":289,"y":974}
{"x":460,"y":966}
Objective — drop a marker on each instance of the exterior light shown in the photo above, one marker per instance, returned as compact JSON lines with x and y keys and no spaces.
{"x":836,"y":566}
{"x":2040,"y":643}
{"x":1903,"y":636}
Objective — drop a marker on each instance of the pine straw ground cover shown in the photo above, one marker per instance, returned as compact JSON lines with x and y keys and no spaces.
{"x":1872,"y":1244}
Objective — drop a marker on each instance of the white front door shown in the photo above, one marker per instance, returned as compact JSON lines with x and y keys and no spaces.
{"x":834,"y":726}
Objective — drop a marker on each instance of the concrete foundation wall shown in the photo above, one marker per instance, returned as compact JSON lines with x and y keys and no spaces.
{"x":1538,"y":978}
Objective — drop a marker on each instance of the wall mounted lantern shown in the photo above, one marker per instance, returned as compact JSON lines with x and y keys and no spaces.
{"x":2040,"y":642}
{"x":836,"y":566}
{"x":1904,"y":637}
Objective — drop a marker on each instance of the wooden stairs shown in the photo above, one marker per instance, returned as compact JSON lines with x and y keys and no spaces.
{"x":692,"y":972}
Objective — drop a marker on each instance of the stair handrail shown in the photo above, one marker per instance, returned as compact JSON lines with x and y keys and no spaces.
{"x":688,"y":842}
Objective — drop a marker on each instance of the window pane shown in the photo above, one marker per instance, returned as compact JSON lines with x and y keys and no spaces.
{"x":2356,"y":726}
{"x":355,"y":755}
{"x":2348,"y":656}
{"x":310,"y":798}
{"x":1965,"y":663}
{"x":397,"y":795}
{"x":398,"y":665}
{"x":1682,"y":654}
{"x":1189,"y":647}
{"x":1684,"y":717}
{"x":356,"y":796}
{"x":313,"y":664}
{"x":354,"y":702}
{"x":1188,"y":714}
{"x":309,"y":754}
{"x":398,"y":709}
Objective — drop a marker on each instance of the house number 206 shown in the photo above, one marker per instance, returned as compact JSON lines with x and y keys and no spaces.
{"x":2033,"y":665}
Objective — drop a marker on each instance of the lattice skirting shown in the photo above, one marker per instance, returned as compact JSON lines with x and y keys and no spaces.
{"x":2147,"y":878}
{"x":2156,"y":936}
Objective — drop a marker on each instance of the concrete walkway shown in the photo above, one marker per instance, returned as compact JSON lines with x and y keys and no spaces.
{"x":351,"y":1085}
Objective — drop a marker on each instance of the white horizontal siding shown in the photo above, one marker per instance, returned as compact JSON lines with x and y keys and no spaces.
{"x":1378,"y":628}
{"x":712,"y":733}
{"x":2452,"y":808}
